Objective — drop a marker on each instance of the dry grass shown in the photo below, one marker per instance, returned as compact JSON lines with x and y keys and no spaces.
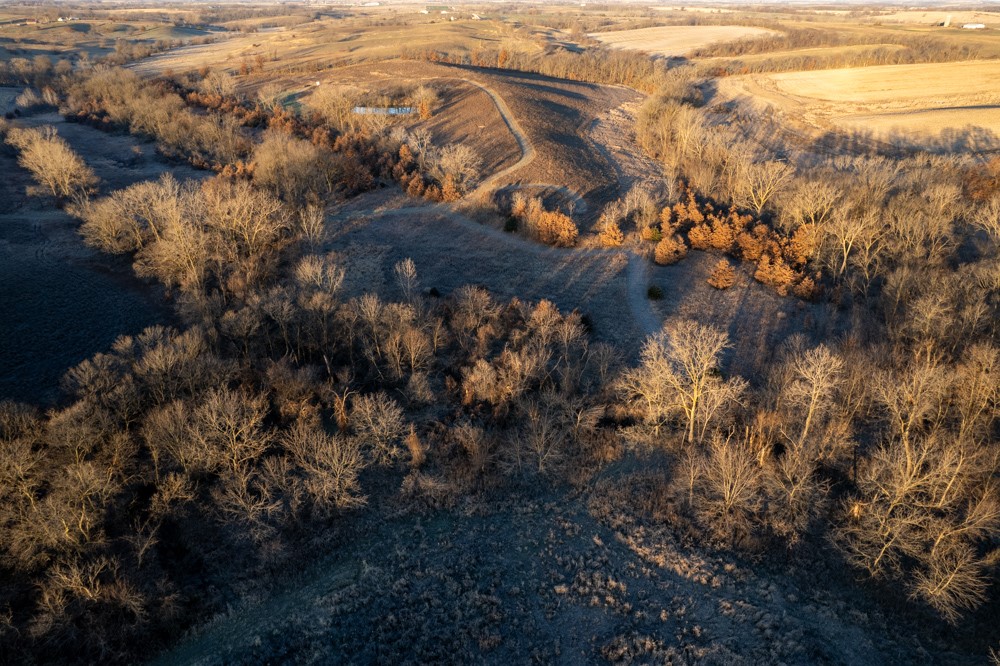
{"x":375,"y":231}
{"x":324,"y":44}
{"x":94,"y":36}
{"x":557,"y":117}
{"x":679,"y":39}
{"x":924,"y":102}
{"x":923,"y":17}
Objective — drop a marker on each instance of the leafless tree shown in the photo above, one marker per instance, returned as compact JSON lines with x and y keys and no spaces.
{"x":55,"y":165}
{"x":378,"y":423}
{"x":727,"y":489}
{"x":757,"y":183}
{"x":406,"y":278}
{"x":330,"y":465}
{"x":679,"y":374}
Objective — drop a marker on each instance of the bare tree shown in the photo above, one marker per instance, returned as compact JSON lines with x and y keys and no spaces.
{"x":218,"y":82}
{"x":459,"y":162}
{"x":55,"y":165}
{"x":377,"y":422}
{"x":330,"y":465}
{"x":757,"y":183}
{"x":816,"y":377}
{"x":270,"y":96}
{"x":987,"y":217}
{"x":726,"y":491}
{"x":406,"y":278}
{"x":129,"y":219}
{"x":336,"y":105}
{"x":291,"y":168}
{"x":679,"y":373}
{"x":808,"y":202}
{"x":230,"y":424}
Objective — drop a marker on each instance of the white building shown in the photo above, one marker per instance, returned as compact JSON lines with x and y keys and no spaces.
{"x":974,"y":26}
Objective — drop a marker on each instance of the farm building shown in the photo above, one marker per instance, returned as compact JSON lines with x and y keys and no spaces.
{"x":974,"y":26}
{"x":384,"y":110}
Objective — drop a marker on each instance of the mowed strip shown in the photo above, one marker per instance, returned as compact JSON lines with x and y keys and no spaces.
{"x":677,"y":40}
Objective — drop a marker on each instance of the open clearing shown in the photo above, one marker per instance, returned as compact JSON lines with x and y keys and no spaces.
{"x":677,"y":40}
{"x":373,"y":232}
{"x":531,"y":130}
{"x":912,"y":103}
{"x":62,"y":301}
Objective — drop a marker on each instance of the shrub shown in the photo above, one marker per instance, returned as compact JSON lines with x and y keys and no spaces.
{"x":774,"y":272}
{"x":700,"y":237}
{"x":555,"y":228}
{"x":805,"y":289}
{"x":723,"y":276}
{"x":654,"y":293}
{"x":611,"y":235}
{"x":652,"y":234}
{"x":670,"y":250}
{"x":55,"y":165}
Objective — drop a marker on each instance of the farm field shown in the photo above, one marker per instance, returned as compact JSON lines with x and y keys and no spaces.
{"x":677,"y":40}
{"x":910,"y":102}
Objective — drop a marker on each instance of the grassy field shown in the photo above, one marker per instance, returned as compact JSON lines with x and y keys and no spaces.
{"x":934,"y":17}
{"x":327,"y":44}
{"x":677,"y":40}
{"x":913,"y":102}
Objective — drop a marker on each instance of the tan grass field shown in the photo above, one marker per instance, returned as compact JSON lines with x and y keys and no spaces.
{"x":322,"y":45}
{"x":910,"y":102}
{"x":677,"y":40}
{"x":991,"y":19}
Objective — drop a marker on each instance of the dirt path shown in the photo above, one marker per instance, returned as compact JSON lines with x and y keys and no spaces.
{"x":638,"y":300}
{"x":527,"y":150}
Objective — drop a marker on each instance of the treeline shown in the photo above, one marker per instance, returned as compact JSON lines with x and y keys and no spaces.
{"x":119,"y":99}
{"x":594,"y":64}
{"x":38,"y":72}
{"x":331,"y":151}
{"x":864,"y":216}
{"x":42,"y":71}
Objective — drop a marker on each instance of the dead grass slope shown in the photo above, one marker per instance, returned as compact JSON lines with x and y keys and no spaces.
{"x":554,"y":577}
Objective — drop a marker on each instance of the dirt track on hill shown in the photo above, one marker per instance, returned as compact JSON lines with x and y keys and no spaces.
{"x":527,"y":150}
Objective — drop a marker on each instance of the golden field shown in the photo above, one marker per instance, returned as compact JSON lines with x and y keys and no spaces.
{"x":913,"y":101}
